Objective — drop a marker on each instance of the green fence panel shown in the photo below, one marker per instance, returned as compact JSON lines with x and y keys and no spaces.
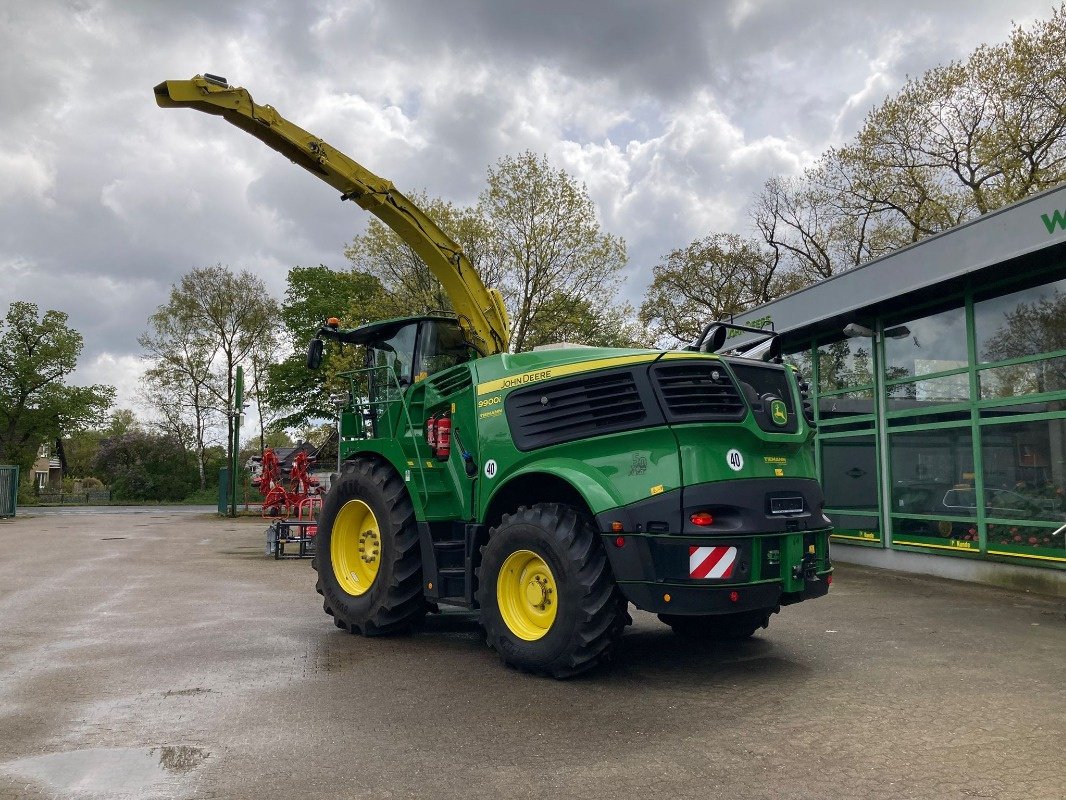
{"x":223,"y":491}
{"x":9,"y":490}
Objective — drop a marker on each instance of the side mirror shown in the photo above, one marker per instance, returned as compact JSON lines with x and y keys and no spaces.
{"x":314,"y":354}
{"x":773,"y":350}
{"x":713,"y":339}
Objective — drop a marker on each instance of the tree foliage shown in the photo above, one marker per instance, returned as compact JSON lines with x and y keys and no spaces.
{"x":141,"y":465}
{"x":409,"y":286}
{"x":959,"y":141}
{"x":181,"y":383}
{"x":81,"y":447}
{"x":313,"y":295}
{"x":37,"y":353}
{"x":213,"y":322}
{"x":712,"y":278}
{"x":535,"y":237}
{"x":552,"y":257}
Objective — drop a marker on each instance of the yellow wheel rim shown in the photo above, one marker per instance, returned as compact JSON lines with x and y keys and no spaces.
{"x":355,"y":547}
{"x":527,"y":595}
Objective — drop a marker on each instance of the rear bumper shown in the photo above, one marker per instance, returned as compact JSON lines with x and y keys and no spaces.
{"x":663,"y":598}
{"x":769,"y":542}
{"x":654,"y":572}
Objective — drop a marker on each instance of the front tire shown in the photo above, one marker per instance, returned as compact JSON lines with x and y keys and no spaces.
{"x":549,"y":603}
{"x":367,"y":553}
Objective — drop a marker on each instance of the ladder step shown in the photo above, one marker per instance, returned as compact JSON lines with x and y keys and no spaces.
{"x":450,"y":555}
{"x":452,"y":582}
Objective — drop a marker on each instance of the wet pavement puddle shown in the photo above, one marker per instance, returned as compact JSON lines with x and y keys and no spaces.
{"x":110,"y":772}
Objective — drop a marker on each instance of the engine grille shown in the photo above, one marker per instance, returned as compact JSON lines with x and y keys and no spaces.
{"x":563,"y":411}
{"x":451,"y":381}
{"x":698,"y":392}
{"x":626,"y":399}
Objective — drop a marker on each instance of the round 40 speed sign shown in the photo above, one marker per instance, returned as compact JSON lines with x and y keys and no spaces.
{"x":735,"y":460}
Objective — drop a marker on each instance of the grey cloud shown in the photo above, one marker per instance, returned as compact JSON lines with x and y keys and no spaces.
{"x":428,"y":94}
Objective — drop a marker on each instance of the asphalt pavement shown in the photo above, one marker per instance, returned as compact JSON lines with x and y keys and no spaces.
{"x":161,"y":654}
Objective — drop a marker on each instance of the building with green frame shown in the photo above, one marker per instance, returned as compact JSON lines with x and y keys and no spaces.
{"x":938,"y":375}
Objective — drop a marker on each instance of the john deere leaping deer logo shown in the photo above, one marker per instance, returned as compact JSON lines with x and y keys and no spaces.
{"x":779,"y":412}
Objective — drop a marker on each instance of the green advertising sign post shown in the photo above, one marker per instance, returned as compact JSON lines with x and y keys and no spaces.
{"x":235,"y":442}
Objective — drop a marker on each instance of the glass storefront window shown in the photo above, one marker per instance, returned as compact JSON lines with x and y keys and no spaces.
{"x":1025,"y":470}
{"x":849,"y":472}
{"x":1033,"y":541}
{"x":849,"y":478}
{"x":1024,"y":323}
{"x":848,"y":404}
{"x":917,"y":395}
{"x":934,"y":343}
{"x":1018,"y":380}
{"x":801,"y":360}
{"x":933,"y":478}
{"x":846,"y":363}
{"x":1014,"y":409}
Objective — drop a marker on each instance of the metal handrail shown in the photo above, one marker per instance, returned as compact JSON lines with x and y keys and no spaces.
{"x":396,"y":392}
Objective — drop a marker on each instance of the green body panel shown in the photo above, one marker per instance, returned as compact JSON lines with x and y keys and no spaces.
{"x":599,"y":468}
{"x":612,"y":472}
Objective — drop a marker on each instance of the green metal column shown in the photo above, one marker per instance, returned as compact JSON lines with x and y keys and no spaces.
{"x":884,"y":462}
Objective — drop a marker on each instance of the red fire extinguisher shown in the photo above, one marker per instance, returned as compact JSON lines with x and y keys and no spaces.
{"x":444,"y":437}
{"x":431,"y":432}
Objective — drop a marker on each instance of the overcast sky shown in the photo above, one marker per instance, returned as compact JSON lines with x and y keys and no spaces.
{"x":672,"y":113}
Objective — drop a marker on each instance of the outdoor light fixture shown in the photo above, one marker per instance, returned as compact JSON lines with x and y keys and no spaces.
{"x":853,"y":330}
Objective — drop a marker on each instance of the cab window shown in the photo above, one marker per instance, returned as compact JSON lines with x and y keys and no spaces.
{"x":394,"y":355}
{"x":440,"y":347}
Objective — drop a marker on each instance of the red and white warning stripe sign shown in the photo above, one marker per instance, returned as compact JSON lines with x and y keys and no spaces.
{"x":711,"y":562}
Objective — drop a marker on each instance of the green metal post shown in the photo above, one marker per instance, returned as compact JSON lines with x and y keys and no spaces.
{"x":883,"y":452}
{"x":235,"y":445}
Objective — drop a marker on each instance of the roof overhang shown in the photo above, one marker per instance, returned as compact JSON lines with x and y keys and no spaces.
{"x":940,"y":264}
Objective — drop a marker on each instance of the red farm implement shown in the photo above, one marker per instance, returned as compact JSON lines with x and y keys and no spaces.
{"x":301,"y":497}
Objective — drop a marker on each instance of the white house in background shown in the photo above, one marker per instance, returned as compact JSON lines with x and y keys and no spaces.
{"x":47,"y":469}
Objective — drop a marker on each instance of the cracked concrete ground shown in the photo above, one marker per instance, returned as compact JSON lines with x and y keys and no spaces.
{"x":161,"y":654}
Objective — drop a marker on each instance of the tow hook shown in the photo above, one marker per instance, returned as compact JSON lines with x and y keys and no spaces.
{"x":807,"y":569}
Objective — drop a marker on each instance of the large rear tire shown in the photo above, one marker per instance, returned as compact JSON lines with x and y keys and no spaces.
{"x":549,"y":603}
{"x":367,"y":553}
{"x":718,"y":627}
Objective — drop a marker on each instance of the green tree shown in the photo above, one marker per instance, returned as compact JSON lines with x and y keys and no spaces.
{"x":214,"y":319}
{"x":578,"y":320}
{"x":713,"y":278}
{"x":81,"y":447}
{"x":409,"y":286}
{"x":956,"y":142}
{"x":548,"y":249}
{"x":36,"y":356}
{"x":313,"y":295}
{"x":141,"y":465}
{"x":181,"y":383}
{"x":535,"y":237}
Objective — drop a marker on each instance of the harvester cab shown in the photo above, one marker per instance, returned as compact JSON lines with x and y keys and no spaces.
{"x":548,"y":490}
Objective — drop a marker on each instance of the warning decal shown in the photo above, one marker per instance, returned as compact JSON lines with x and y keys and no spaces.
{"x":711,"y":562}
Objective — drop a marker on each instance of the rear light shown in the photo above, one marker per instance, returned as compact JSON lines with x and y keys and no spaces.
{"x":702,"y":519}
{"x":734,"y":597}
{"x":828,"y":580}
{"x":620,"y":541}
